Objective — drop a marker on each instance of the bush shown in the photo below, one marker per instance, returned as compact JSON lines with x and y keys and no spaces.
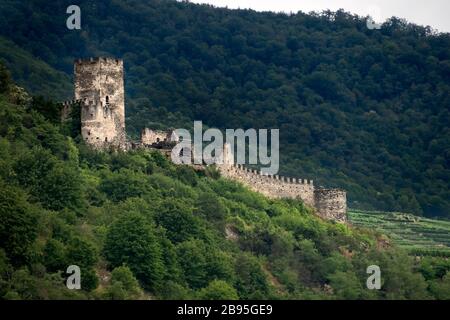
{"x":81,"y":253}
{"x":89,"y":279}
{"x":218,"y":290}
{"x":124,"y":285}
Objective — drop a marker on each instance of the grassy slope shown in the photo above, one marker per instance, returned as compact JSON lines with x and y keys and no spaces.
{"x":416,"y":234}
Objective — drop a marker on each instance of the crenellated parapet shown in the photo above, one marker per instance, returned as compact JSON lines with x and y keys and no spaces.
{"x":71,"y":102}
{"x":272,"y":186}
{"x":96,"y":60}
{"x":242,"y":168}
{"x":67,"y":108}
{"x":329,"y":203}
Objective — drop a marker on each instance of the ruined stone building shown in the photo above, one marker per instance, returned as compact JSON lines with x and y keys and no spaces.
{"x":157,"y":138}
{"x":99,"y":92}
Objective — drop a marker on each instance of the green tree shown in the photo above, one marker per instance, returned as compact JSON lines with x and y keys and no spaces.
{"x":178,"y":219}
{"x":5,"y":271}
{"x":55,"y":255}
{"x":124,"y":275}
{"x":62,"y":188}
{"x":81,"y":253}
{"x":49,"y":109}
{"x":23,"y":285}
{"x":440,"y":288}
{"x":251,"y":280}
{"x":55,"y":184}
{"x":131,"y":240}
{"x":219,"y":265}
{"x":191,"y":255}
{"x":210,"y":207}
{"x":89,"y":279}
{"x":5,"y":78}
{"x":18,"y":228}
{"x":172,"y":268}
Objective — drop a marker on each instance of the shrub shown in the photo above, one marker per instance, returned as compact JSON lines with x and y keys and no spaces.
{"x":218,"y":290}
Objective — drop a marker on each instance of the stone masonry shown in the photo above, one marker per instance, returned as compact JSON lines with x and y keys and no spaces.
{"x":271,"y":186}
{"x":151,"y":137}
{"x":330,"y":204}
{"x":99,"y":89}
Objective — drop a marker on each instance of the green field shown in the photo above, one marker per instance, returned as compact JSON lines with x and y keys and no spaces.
{"x":416,"y":234}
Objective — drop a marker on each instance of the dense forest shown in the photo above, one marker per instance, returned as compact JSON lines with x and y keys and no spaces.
{"x":141,"y":228}
{"x":365,"y":110}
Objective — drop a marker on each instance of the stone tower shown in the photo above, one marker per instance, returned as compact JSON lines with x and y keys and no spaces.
{"x":331,"y":204}
{"x":99,"y":86}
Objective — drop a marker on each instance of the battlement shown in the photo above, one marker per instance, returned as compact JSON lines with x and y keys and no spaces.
{"x":272,"y":186}
{"x":274,"y":177}
{"x":67,"y":108}
{"x":329,"y":203}
{"x":96,"y":60}
{"x":69,"y":103}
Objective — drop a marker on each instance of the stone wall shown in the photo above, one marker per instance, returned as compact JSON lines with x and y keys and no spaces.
{"x":271,"y":186}
{"x":149,"y":136}
{"x":329,"y":204}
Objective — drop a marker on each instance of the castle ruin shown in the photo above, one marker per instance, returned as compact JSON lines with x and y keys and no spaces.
{"x":157,"y":138}
{"x":99,"y":92}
